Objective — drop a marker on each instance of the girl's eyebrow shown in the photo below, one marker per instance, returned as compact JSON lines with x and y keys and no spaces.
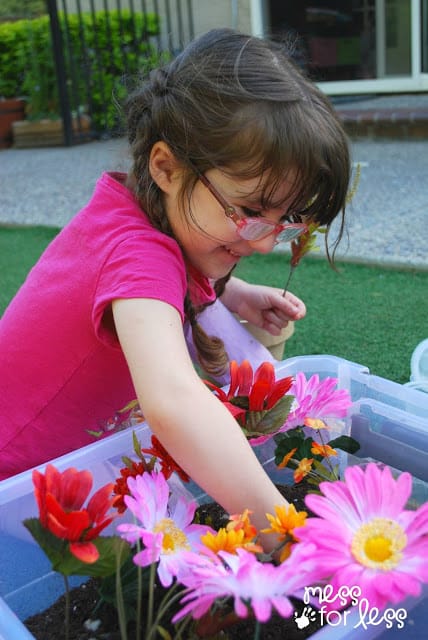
{"x":251,"y":198}
{"x":256,"y":199}
{"x":244,"y":195}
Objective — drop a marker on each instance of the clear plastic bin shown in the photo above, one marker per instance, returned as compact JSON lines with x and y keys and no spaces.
{"x":391,"y":421}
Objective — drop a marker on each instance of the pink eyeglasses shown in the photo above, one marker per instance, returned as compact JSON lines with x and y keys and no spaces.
{"x":256,"y":228}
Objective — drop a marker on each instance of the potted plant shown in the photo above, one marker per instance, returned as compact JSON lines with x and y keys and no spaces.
{"x":13,"y":63}
{"x":11,"y":110}
{"x":43,"y":125}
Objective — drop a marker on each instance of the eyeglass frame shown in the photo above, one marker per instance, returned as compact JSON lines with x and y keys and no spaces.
{"x":244,"y":221}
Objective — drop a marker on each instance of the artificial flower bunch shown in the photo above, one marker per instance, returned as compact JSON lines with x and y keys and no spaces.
{"x":295,"y":411}
{"x":360,"y":541}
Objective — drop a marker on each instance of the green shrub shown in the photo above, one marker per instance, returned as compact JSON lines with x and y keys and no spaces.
{"x":102,"y":50}
{"x":15,"y":9}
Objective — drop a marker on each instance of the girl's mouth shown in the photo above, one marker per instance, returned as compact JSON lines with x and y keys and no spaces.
{"x":233,"y":253}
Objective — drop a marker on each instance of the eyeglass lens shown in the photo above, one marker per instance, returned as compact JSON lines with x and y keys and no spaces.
{"x":289,"y":234}
{"x":253,"y":229}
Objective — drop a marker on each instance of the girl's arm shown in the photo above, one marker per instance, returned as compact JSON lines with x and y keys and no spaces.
{"x":263,"y":306}
{"x":191,"y":423}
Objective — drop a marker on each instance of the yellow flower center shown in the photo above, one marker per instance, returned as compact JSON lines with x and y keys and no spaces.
{"x":173,"y":537}
{"x":378,"y":544}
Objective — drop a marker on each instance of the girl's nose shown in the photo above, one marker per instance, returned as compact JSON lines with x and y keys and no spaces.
{"x":265,"y":245}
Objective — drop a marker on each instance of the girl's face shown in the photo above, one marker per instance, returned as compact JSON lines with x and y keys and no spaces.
{"x":208,"y":238}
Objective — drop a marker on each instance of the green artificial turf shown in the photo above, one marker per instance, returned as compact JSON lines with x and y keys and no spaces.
{"x":372,"y":316}
{"x":369,"y":315}
{"x":20,"y":247}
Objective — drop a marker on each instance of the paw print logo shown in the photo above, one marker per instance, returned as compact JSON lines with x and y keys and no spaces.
{"x":307,"y":616}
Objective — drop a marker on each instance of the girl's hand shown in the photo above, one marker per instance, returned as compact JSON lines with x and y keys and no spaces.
{"x":263,"y":306}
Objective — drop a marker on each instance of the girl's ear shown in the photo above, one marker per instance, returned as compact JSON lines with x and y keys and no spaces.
{"x":164,"y":167}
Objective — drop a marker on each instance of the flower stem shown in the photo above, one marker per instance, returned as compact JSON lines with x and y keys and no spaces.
{"x":149,"y":623}
{"x":168,"y":600}
{"x":329,"y":464}
{"x":138,"y":628}
{"x":287,"y":284}
{"x":67,"y":607}
{"x":119,"y":598}
{"x":257,"y":630}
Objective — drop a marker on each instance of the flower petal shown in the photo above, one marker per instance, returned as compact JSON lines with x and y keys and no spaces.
{"x":85,"y":551}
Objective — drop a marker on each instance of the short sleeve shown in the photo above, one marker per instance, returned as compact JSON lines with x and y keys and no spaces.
{"x":143,"y":265}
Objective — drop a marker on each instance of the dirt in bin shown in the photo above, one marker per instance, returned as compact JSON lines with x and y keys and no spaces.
{"x":87,"y":624}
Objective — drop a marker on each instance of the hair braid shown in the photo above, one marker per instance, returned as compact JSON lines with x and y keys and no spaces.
{"x":211,"y":352}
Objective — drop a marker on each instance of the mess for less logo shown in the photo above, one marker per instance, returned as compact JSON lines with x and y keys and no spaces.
{"x":330,"y":610}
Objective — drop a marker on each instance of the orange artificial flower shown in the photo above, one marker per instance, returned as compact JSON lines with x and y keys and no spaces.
{"x":283,"y":524}
{"x":323,"y":450}
{"x":305,"y":466}
{"x":304,"y":243}
{"x":241,"y":521}
{"x":286,"y":459}
{"x":286,"y":519}
{"x":224,"y":540}
{"x":315,"y":423}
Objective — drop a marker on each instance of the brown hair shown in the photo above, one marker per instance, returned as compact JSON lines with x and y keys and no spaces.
{"x":239,"y":103}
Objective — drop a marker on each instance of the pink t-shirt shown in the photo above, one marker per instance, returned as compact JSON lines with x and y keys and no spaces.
{"x":62,"y":371}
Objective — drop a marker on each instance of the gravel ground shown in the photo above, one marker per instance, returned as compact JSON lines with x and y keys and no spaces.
{"x":387,"y":219}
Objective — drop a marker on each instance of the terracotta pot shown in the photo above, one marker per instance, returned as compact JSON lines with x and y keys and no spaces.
{"x":11,"y":110}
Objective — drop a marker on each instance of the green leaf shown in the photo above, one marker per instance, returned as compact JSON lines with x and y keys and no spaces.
{"x":95,"y":434}
{"x":345,"y":443}
{"x":324,"y":471}
{"x":63,"y":561}
{"x":297,"y":432}
{"x":275,"y":417}
{"x":130,"y":590}
{"x":296,"y":441}
{"x":127,"y":461}
{"x":253,"y":422}
{"x":54,"y":547}
{"x":163,"y":633}
{"x":136,"y":444}
{"x":240,"y":401}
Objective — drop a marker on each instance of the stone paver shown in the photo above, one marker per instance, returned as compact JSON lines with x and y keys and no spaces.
{"x":387,"y":219}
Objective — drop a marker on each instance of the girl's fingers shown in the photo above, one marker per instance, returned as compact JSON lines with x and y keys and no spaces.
{"x":274,"y":320}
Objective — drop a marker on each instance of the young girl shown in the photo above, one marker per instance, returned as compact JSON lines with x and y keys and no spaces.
{"x":233,"y":149}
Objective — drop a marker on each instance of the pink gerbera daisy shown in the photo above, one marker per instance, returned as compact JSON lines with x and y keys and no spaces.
{"x":316,"y":399}
{"x":166,"y":531}
{"x":365,"y":537}
{"x":255,"y":586}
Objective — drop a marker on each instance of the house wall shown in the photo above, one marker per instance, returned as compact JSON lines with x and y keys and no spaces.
{"x":207,"y":14}
{"x":221,"y":13}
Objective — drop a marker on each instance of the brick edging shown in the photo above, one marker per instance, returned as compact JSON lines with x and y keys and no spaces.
{"x":384,"y":123}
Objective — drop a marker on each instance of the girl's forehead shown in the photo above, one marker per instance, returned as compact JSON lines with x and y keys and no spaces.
{"x":259,"y":188}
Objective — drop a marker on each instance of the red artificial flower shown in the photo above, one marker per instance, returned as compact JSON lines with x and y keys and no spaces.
{"x":261,"y":388}
{"x":121,"y":489}
{"x":168,"y":464}
{"x":60,"y":498}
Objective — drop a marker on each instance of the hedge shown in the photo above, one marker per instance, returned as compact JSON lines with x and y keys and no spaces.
{"x":102,"y":51}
